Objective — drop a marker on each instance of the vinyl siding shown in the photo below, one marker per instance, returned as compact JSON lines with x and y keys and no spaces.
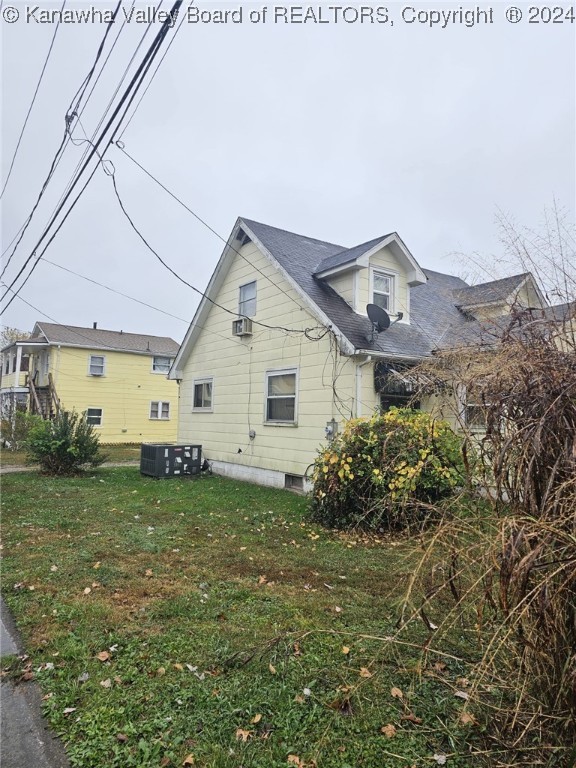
{"x":385,"y":260}
{"x":124,"y":393}
{"x":238,"y":367}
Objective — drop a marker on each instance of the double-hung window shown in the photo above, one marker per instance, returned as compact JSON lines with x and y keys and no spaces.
{"x":159,"y":409}
{"x":94,"y":416}
{"x":383,"y":290}
{"x":96,"y":367}
{"x":202,"y":395}
{"x":247,"y":300}
{"x":161,"y":364}
{"x":281,"y":396}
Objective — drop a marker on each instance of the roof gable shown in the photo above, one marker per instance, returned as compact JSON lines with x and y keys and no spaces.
{"x":501,"y":291}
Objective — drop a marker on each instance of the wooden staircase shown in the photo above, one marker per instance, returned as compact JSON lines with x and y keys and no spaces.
{"x":43,"y":400}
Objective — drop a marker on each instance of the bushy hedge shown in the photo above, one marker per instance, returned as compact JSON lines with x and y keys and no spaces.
{"x":62,"y":446}
{"x":385,"y":472}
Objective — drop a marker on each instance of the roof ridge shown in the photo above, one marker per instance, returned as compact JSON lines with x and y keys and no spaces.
{"x":101,"y":330}
{"x":296,"y":234}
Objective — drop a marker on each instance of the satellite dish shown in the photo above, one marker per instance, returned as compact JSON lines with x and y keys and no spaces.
{"x":379,"y":318}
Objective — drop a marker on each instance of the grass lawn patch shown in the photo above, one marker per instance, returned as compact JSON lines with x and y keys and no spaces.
{"x":114,"y":452}
{"x":207,"y":621}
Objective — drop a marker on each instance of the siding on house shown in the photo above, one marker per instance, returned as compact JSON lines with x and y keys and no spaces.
{"x":124,"y":393}
{"x":387,"y":262}
{"x":345,"y":286}
{"x":239,"y":365}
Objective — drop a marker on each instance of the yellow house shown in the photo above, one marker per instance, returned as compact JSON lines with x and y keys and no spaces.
{"x":282,"y":349}
{"x":118,"y":379}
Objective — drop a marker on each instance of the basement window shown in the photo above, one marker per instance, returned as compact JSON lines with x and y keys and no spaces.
{"x":294,"y":482}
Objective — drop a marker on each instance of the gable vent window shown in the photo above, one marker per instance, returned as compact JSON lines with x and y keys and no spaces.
{"x":97,"y":365}
{"x":161,"y":364}
{"x":382,"y":289}
{"x":247,"y":300}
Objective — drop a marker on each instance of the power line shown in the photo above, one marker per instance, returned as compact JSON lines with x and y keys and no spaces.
{"x":113,"y":290}
{"x":72,"y":109}
{"x":306,"y":331}
{"x":33,"y":101}
{"x":128,"y":96}
{"x":121,"y":147}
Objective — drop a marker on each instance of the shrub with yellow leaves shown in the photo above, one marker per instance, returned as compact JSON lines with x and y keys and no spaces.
{"x":387,"y":471}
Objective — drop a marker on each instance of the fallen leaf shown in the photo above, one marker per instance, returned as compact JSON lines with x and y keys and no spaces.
{"x":364,"y":672}
{"x":179,"y":667}
{"x":106,"y":683}
{"x":87,"y":591}
{"x":53,"y":568}
{"x":103,"y":656}
{"x":256,"y":719}
{"x":69,"y":710}
{"x":161,"y":671}
{"x":440,"y":759}
{"x":262,"y":580}
{"x":165,"y":761}
{"x":345,"y":650}
{"x":189,"y":760}
{"x":242,"y":735}
{"x":388,"y":730}
{"x":272,"y":669}
{"x":295,"y":760}
{"x":411,"y":718}
{"x":396,"y":693}
{"x":121,"y":737}
{"x":337,"y":609}
{"x":467,"y":719}
{"x":462,"y":695}
{"x":96,"y":565}
{"x":149,"y":572}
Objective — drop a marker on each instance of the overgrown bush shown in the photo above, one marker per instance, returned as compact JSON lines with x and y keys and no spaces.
{"x":15,"y":428}
{"x":62,"y":446}
{"x":385,"y":472}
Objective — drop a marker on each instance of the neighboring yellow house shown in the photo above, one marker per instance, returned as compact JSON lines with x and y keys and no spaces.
{"x":281,"y":350}
{"x":118,"y":379}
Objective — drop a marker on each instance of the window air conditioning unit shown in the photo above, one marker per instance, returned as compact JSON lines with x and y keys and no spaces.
{"x":242,"y":327}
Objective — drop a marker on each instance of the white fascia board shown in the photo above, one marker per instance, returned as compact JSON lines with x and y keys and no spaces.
{"x":345,"y":346}
{"x":214,"y":285}
{"x":528,"y":279}
{"x":415,"y":275}
{"x":388,"y":356}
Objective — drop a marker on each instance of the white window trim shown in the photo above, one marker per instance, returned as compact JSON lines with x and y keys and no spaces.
{"x":244,"y":285}
{"x":393,"y":286}
{"x":159,"y":417}
{"x":277,"y":372}
{"x":90,"y":366}
{"x":164,"y":357}
{"x":203,"y":380}
{"x":95,"y":408}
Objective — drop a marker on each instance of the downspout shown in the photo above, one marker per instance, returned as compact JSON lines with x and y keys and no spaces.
{"x":359,"y":367}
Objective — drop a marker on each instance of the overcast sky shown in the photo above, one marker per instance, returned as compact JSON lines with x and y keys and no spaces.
{"x":341,"y":131}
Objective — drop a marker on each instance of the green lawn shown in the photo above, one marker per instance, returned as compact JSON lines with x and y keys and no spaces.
{"x":116,"y":452}
{"x":206,"y":619}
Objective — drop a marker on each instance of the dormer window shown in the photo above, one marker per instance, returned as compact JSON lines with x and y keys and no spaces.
{"x":383,"y":290}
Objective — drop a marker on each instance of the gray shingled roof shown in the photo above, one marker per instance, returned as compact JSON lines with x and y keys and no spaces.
{"x":348,"y":254}
{"x":96,"y":338}
{"x":487,"y":293}
{"x":432,"y":304}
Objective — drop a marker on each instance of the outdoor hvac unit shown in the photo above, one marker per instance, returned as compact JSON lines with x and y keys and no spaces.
{"x":170,"y":460}
{"x":242,"y":327}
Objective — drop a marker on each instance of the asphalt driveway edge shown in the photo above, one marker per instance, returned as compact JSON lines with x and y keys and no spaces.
{"x":26,"y":740}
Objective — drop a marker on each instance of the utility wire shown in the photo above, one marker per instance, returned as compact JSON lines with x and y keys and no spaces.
{"x":128,"y":96}
{"x":306,"y":331}
{"x":33,"y":101}
{"x":121,"y":147}
{"x":72,"y":109}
